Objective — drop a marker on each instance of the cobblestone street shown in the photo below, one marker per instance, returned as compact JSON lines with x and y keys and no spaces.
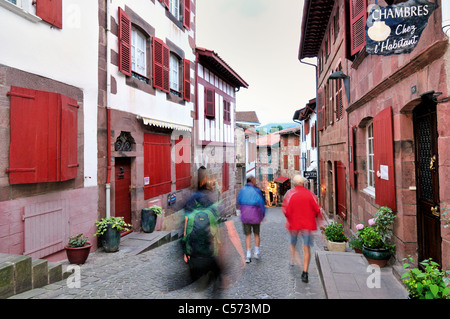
{"x":162,"y":273}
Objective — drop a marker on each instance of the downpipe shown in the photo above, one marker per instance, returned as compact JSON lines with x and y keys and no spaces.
{"x":108,"y":111}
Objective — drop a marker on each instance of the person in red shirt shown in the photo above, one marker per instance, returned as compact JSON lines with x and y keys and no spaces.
{"x":301,"y":210}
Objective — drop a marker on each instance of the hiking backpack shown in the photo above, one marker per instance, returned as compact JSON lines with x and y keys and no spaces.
{"x":201,"y":233}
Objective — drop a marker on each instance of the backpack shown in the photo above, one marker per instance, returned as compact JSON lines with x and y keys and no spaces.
{"x":201,"y":233}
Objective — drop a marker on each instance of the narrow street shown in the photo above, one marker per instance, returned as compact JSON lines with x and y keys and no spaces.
{"x":162,"y":273}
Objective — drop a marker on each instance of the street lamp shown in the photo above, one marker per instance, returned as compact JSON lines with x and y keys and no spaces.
{"x":338,"y":75}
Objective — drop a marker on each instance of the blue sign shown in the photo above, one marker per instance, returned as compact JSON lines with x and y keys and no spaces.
{"x":397,"y":29}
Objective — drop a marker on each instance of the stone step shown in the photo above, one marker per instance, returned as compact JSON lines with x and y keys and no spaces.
{"x":19,"y":273}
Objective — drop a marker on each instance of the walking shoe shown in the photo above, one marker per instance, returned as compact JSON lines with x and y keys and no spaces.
{"x":248,"y":259}
{"x":305,"y":277}
{"x":257,"y":255}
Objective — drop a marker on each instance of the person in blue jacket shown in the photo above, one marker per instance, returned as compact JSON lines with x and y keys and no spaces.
{"x":253,"y":210}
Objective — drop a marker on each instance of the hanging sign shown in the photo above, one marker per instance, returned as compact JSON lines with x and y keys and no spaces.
{"x":396,"y":29}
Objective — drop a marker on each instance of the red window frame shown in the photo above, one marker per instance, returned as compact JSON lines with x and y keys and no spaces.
{"x":210,"y":103}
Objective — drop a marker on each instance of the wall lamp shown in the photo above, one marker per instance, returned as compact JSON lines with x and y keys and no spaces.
{"x":340,"y":75}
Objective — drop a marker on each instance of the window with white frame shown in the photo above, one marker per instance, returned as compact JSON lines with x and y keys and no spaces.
{"x":174,"y":74}
{"x":174,"y":8}
{"x":370,"y":159}
{"x":138,"y":52}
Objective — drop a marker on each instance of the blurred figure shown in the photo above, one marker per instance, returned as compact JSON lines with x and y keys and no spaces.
{"x":251,"y":204}
{"x":201,"y":233}
{"x":301,"y":210}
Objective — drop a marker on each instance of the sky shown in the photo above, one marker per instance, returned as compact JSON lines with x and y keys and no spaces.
{"x":260,"y":40}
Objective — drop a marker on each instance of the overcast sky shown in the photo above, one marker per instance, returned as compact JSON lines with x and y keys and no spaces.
{"x":260,"y":40}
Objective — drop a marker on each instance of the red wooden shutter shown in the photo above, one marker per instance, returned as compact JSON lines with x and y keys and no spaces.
{"x":69,"y":133}
{"x":124,"y":43}
{"x":161,"y":65}
{"x":320,"y":110}
{"x":210,"y":104}
{"x":50,"y":11}
{"x":166,"y":3}
{"x":285,"y":160}
{"x":183,"y":162}
{"x":341,"y":190}
{"x":43,"y":137}
{"x":187,"y":80}
{"x":225,"y":176}
{"x":297,"y":162}
{"x":358,"y":9}
{"x":226,"y":112}
{"x":352,"y":157}
{"x":187,"y":14}
{"x":157,"y":162}
{"x":384,"y":159}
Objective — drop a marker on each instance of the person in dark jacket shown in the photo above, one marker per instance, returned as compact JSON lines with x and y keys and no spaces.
{"x":251,"y":205}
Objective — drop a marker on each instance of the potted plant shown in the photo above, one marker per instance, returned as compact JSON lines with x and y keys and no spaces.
{"x":426,"y":283}
{"x":77,"y":249}
{"x":109,"y":229}
{"x":336,"y":239}
{"x":148,"y":218}
{"x":356,"y":241}
{"x":376,"y":238}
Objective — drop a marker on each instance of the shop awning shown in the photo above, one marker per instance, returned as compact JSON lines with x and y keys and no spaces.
{"x":164,"y":124}
{"x":281,"y":179}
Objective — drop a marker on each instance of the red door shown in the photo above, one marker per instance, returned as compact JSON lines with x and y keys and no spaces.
{"x":341,"y":190}
{"x":122,"y":188}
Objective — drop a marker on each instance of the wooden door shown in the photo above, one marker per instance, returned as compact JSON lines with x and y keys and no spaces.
{"x":122,"y":188}
{"x":341,"y":190}
{"x":427,"y":181}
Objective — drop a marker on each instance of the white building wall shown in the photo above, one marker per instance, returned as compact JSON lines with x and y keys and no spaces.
{"x":138,"y":102}
{"x":68,"y":55}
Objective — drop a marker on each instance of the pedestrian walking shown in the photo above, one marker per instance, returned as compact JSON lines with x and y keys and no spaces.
{"x":253,"y":210}
{"x":301,"y":210}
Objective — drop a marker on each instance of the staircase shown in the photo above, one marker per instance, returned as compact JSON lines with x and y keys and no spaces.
{"x":20,"y":273}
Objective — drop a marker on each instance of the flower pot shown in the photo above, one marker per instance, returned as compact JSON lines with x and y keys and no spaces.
{"x":377,"y":256}
{"x":78,"y":255}
{"x":148,"y":220}
{"x":110,"y":239}
{"x":336,"y":246}
{"x":358,"y":250}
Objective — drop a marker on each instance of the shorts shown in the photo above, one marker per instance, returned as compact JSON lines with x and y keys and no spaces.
{"x":307,"y":237}
{"x":248,"y":229}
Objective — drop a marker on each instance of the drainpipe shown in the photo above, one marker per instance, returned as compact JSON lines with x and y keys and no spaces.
{"x":108,"y":111}
{"x":445,"y":9}
{"x":316,"y":134}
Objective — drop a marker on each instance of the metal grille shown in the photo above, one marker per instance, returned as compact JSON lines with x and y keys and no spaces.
{"x":426,"y":178}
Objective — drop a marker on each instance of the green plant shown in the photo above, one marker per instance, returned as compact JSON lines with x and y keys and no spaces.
{"x":355,"y":242}
{"x":429,"y":283}
{"x":116,"y":222}
{"x":335,"y":232}
{"x":156,"y":209}
{"x":77,"y":241}
{"x":384,"y":219}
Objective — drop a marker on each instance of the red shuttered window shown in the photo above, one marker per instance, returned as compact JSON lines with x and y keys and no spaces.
{"x":157,"y":162}
{"x":351,"y":156}
{"x":187,"y":14}
{"x":297,"y":162}
{"x":161,"y":65}
{"x":186,"y":80}
{"x":183,"y":162}
{"x":226,"y":112}
{"x":124,"y":43}
{"x":320,"y":110}
{"x":50,"y":11}
{"x":285,"y":161}
{"x":358,"y":16}
{"x":210,"y":105}
{"x":384,"y":159}
{"x":43,"y":143}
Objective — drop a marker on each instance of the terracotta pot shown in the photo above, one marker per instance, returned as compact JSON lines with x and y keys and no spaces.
{"x":78,"y":255}
{"x":336,"y":246}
